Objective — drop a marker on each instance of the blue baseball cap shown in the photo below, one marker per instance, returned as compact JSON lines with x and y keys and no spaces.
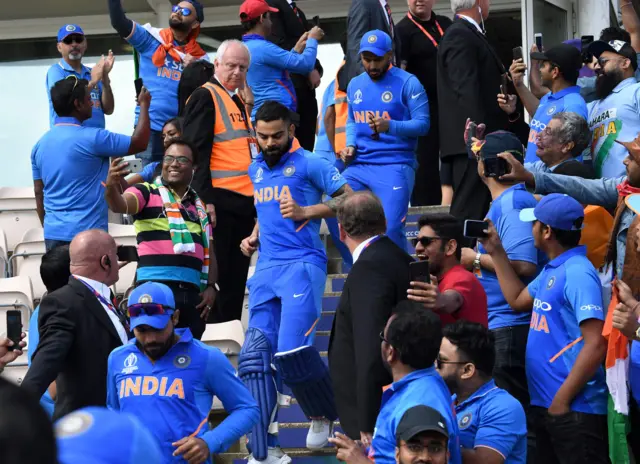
{"x":199,"y":9}
{"x":556,"y":210}
{"x":69,"y":29}
{"x":152,"y":293}
{"x":96,"y":435}
{"x":376,"y":42}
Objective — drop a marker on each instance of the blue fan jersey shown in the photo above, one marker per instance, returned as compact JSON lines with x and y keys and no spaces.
{"x":566,"y":293}
{"x":304,"y":177}
{"x":398,"y":97}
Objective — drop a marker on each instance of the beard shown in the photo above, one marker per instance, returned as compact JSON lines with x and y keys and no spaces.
{"x":75,"y":56}
{"x":272,"y":155}
{"x":606,"y":82}
{"x":178,"y":25}
{"x":157,"y":350}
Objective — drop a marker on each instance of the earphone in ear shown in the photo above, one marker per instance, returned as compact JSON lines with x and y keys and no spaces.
{"x":107,"y":262}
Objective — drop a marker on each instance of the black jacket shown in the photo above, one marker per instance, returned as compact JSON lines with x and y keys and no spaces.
{"x":469,"y":76}
{"x":377,"y":282}
{"x":76,"y":337}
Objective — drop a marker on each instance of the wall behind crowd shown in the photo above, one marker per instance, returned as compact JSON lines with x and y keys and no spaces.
{"x":25,"y":112}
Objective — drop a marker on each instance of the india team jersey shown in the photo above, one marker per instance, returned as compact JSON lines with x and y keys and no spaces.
{"x":304,"y":177}
{"x":328,"y":99}
{"x":615,"y":118}
{"x":566,"y":293}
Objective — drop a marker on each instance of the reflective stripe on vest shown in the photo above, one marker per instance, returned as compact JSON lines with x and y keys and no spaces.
{"x":341,"y":107}
{"x":230,"y":152}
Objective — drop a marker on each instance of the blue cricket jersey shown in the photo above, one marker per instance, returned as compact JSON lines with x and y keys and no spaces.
{"x":568,"y":100}
{"x":634,"y":371}
{"x":421,"y":387}
{"x":173,"y":396}
{"x":492,"y":418}
{"x":566,"y":293}
{"x":517,"y":240}
{"x":328,"y":99}
{"x":62,"y":70}
{"x":398,"y":97}
{"x":305,"y":177}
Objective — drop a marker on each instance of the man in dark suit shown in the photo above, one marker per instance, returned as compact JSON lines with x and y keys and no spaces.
{"x":365,"y":16}
{"x":79,"y":327}
{"x":287,"y":26}
{"x":378,"y":280}
{"x":469,"y":77}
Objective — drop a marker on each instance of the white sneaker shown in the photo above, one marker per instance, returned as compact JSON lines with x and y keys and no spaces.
{"x":319,"y":433}
{"x":275,"y":456}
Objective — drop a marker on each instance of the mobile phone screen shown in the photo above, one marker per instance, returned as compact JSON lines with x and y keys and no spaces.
{"x":14,"y":328}
{"x":420,"y":271}
{"x":475,"y":229}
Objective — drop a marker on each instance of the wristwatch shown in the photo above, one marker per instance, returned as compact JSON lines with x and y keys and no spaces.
{"x":214,"y":285}
{"x":476,"y":262}
{"x":638,"y":332}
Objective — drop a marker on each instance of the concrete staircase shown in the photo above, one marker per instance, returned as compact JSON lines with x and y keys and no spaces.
{"x":292,"y":421}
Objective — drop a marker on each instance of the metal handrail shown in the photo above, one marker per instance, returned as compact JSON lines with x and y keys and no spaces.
{"x":18,"y":305}
{"x":21,"y":255}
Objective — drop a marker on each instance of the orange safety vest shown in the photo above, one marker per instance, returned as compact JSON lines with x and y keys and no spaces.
{"x":231,"y":149}
{"x":595,"y":234}
{"x":342,"y":109}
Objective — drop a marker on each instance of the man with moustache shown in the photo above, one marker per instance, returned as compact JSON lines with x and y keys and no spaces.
{"x":615,"y":115}
{"x":285,"y":293}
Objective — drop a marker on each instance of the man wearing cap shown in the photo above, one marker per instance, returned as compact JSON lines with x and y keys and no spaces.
{"x":565,"y":349}
{"x":163,"y":54}
{"x":388,"y":110}
{"x":559,"y":68}
{"x":615,"y":115}
{"x":167,"y":379}
{"x":268,"y":74}
{"x":72,"y":45}
{"x":509,"y":327}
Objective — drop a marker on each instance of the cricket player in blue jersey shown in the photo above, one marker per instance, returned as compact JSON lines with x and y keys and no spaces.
{"x":285,"y":293}
{"x":565,"y":347}
{"x":167,"y":379}
{"x":388,"y":111}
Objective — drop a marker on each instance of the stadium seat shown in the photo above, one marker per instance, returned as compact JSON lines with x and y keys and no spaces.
{"x":26,"y":260}
{"x":17,"y":370}
{"x":127,"y":277}
{"x":123,"y":234}
{"x":226,"y":336}
{"x":33,"y":235}
{"x":17,"y":213}
{"x":16,"y":293}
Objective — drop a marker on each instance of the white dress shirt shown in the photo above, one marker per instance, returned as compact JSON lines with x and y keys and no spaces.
{"x":472,"y":21}
{"x":104,"y":290}
{"x":383,"y":4}
{"x":360,"y":248}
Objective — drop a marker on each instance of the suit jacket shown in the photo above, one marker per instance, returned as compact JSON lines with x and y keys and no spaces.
{"x":364,"y":16}
{"x":377,"y":282}
{"x":469,"y":76}
{"x":76,"y":337}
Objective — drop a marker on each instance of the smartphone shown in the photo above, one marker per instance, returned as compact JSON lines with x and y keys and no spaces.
{"x":473,"y":131}
{"x":419,"y":271}
{"x":495,"y":167}
{"x":504,"y":85}
{"x":14,"y":328}
{"x":316,"y":21}
{"x":517,"y":54}
{"x":475,"y":229}
{"x":135,"y":165}
{"x":127,"y":253}
{"x":138,"y":83}
{"x":538,"y":39}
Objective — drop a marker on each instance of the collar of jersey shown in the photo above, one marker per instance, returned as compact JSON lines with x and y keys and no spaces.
{"x":294,"y":147}
{"x":247,"y":37}
{"x":560,"y":260}
{"x":564,"y":92}
{"x":184,"y":334}
{"x":624,"y":84}
{"x":479,"y":393}
{"x":67,"y":121}
{"x":513,"y":187}
{"x":428,"y":372}
{"x":64,"y":65}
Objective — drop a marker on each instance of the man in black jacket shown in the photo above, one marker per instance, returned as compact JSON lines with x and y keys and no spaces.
{"x":469,"y":77}
{"x":79,"y":327}
{"x":377,"y":282}
{"x":287,"y":26}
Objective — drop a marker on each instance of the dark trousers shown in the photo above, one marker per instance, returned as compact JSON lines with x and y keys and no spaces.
{"x":51,"y":244}
{"x":426,"y":190}
{"x":572,"y":438}
{"x":633,"y":438}
{"x":308,"y":111}
{"x":233,"y":266}
{"x":187,"y":297}
{"x":471,"y":198}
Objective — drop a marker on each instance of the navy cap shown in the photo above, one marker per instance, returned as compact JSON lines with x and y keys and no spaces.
{"x":69,"y":29}
{"x":419,"y":419}
{"x":567,"y":57}
{"x":152,"y":293}
{"x":556,"y":210}
{"x":96,"y":435}
{"x":618,"y":47}
{"x":199,"y":9}
{"x":499,"y":142}
{"x":376,"y":42}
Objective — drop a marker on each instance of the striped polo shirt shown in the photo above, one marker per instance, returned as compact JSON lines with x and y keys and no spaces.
{"x":155,"y":248}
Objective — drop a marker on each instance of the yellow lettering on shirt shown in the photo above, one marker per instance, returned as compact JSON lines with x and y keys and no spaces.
{"x":611,"y":128}
{"x":149,"y":385}
{"x":365,"y":116}
{"x":533,"y":136}
{"x":176,"y":389}
{"x":163,"y":386}
{"x":131,"y":387}
{"x":539,"y":323}
{"x":266,"y":194}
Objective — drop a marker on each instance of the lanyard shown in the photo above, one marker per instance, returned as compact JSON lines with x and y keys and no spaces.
{"x":105,"y":302}
{"x":424,"y":31}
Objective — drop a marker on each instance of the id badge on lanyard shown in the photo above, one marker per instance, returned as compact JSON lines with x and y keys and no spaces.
{"x":253,"y":146}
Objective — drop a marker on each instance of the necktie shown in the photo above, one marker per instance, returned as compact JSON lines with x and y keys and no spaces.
{"x":295,"y":10}
{"x":388,"y":10}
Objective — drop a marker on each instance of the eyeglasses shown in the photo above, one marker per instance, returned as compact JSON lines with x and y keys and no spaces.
{"x":150,"y":309}
{"x":418,"y":448}
{"x":440,"y":362}
{"x":182,"y":160}
{"x":183,"y":11}
{"x":381,"y":335}
{"x":74,"y":38}
{"x":425,"y":241}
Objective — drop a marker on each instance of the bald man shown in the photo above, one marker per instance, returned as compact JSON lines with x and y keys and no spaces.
{"x":79,"y":326}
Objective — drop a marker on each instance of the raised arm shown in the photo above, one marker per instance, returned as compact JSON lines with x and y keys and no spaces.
{"x":631,"y":23}
{"x":119,"y":20}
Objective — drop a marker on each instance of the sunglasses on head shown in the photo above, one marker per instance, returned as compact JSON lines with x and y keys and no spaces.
{"x":73,"y":38}
{"x":150,"y":309}
{"x":425,"y":241}
{"x":182,"y":10}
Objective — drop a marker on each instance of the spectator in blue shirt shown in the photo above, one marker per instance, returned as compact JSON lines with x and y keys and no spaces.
{"x":565,"y":348}
{"x":70,"y":163}
{"x":410,"y":344}
{"x":72,"y":45}
{"x":492,"y":423}
{"x":55,"y":272}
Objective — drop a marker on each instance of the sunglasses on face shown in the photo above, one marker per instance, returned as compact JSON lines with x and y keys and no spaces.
{"x":440,"y":362}
{"x":73,"y":39}
{"x":150,"y":309}
{"x":181,"y":10}
{"x":425,"y":241}
{"x":182,"y":160}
